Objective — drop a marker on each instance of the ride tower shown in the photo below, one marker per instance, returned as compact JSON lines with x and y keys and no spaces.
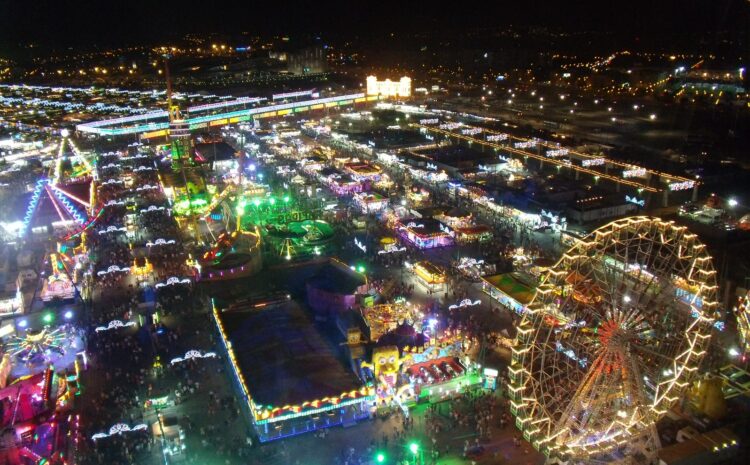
{"x":179,"y":135}
{"x":183,"y":155}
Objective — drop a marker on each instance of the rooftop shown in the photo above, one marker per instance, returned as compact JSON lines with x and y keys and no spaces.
{"x":283,"y":357}
{"x":513,"y":285}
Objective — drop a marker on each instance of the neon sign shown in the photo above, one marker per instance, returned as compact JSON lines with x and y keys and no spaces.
{"x":635,"y":200}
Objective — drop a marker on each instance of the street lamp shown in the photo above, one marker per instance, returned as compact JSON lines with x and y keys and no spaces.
{"x":414,"y":448}
{"x":733,"y":202}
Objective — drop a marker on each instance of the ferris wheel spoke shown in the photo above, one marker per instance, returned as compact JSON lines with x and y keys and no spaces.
{"x":614,"y":330}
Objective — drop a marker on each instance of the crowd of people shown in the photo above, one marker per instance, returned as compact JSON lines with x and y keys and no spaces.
{"x":129,"y":363}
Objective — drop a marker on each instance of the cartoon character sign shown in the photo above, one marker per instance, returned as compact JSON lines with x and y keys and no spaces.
{"x":386,"y":363}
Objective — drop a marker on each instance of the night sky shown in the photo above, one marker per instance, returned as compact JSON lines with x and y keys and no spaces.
{"x":115,"y":22}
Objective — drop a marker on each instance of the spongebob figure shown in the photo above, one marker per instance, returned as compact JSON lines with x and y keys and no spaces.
{"x":386,"y":363}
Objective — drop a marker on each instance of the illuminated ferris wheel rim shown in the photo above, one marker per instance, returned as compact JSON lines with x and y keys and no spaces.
{"x":603,"y":357}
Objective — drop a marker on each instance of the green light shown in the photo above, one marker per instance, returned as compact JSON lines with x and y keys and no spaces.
{"x":47,"y":318}
{"x":380,"y":457}
{"x":256,"y":202}
{"x":414,"y":448}
{"x":361,"y":269}
{"x":286,"y":199}
{"x":272,"y":201}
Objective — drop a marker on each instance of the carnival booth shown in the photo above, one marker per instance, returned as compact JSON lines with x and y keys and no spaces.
{"x":418,"y":197}
{"x":425,"y":233}
{"x":514,"y":290}
{"x":474,"y":233}
{"x":389,"y":245}
{"x":363,"y":171}
{"x":370,"y":202}
{"x":342,"y":184}
{"x":473,"y":269}
{"x":456,"y":217}
{"x":432,"y":276}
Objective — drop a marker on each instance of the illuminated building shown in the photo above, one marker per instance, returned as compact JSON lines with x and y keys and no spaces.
{"x":388,"y":88}
{"x":274,"y":345}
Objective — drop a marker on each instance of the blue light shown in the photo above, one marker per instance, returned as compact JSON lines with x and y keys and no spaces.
{"x":31,"y":208}
{"x":22,"y":323}
{"x":68,"y":315}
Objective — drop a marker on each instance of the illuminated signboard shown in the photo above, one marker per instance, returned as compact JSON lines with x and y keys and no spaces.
{"x":471,"y":131}
{"x":556,"y":153}
{"x":593,"y":162}
{"x":681,"y":186}
{"x":449,"y":126}
{"x":525,"y":144}
{"x":429,"y":121}
{"x":634,"y":173}
{"x":497,"y":137}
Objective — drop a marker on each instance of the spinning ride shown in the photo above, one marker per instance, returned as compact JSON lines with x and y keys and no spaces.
{"x":36,"y":346}
{"x":613,"y":336}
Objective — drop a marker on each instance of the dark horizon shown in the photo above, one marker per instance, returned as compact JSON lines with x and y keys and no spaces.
{"x":139,"y":22}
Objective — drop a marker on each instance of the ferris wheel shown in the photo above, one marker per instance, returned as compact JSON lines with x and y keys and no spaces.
{"x":613,"y":336}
